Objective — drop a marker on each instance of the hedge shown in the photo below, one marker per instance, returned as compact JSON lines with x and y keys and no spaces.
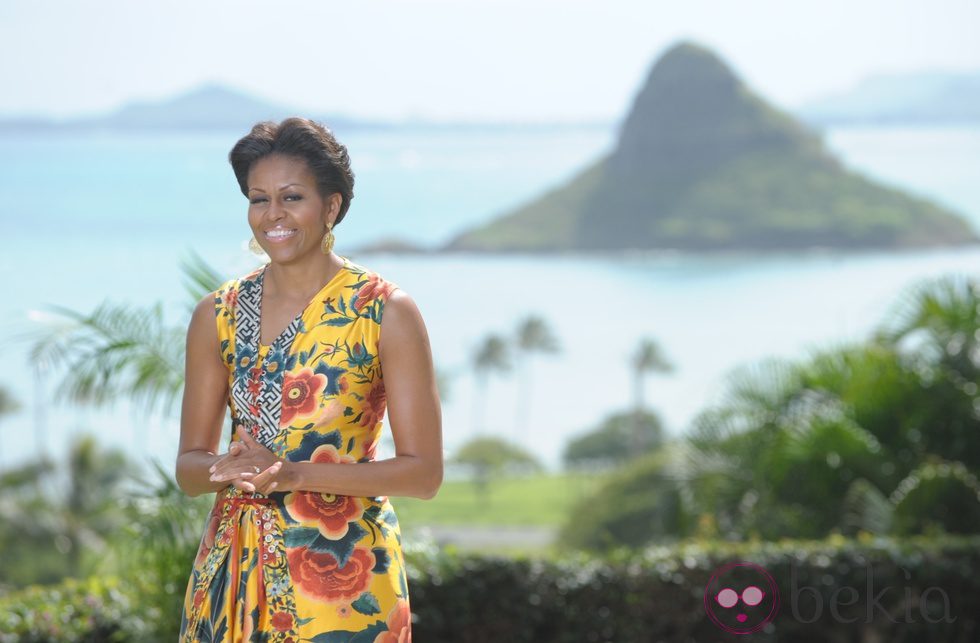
{"x":865,"y":589}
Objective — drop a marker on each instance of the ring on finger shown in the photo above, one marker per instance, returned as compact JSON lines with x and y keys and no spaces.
{"x":257,"y":469}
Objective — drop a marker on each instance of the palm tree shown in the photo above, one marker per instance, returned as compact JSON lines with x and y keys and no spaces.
{"x":492,"y":355}
{"x":939,"y":319}
{"x":533,"y":335}
{"x":945,"y":313}
{"x":118,"y":352}
{"x":648,"y":357}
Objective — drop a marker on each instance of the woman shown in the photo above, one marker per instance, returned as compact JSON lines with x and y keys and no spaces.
{"x":302,"y":540}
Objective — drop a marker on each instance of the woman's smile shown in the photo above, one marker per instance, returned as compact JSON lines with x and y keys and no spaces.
{"x":277,"y":235}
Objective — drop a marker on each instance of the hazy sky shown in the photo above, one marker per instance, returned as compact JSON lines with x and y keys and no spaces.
{"x":466,"y":59}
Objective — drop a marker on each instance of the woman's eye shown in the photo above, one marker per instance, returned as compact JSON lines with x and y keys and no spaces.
{"x":262,"y":198}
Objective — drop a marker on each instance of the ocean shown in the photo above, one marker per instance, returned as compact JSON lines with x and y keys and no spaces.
{"x":93,"y":218}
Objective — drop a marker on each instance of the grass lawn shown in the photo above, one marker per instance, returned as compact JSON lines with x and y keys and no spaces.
{"x":540,"y":500}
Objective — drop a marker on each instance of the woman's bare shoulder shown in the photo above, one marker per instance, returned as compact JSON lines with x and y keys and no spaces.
{"x":402,"y":319}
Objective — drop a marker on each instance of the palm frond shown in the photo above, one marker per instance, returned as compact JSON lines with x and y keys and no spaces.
{"x":113,"y":353}
{"x":199,"y":278}
{"x":866,"y":508}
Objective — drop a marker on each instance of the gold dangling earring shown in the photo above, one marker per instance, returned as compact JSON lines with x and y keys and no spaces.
{"x":253,"y":245}
{"x":327,"y":245}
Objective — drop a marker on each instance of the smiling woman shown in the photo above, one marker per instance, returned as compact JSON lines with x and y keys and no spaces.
{"x":302,"y":542}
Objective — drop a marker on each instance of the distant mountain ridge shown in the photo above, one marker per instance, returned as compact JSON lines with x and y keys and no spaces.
{"x":914,"y":98}
{"x":703,"y":163}
{"x":921,"y":98}
{"x":207,"y":107}
{"x":214,"y":106}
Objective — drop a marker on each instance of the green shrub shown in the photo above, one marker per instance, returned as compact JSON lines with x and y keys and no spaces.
{"x":93,"y":610}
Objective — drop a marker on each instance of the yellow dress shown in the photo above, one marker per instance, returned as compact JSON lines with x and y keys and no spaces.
{"x":296,"y":565}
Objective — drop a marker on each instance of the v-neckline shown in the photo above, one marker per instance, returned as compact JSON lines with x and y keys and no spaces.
{"x":316,"y":297}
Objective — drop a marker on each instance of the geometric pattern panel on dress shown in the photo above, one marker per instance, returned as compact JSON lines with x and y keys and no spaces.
{"x":247,"y":337}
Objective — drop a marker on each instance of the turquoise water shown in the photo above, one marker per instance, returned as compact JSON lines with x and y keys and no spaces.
{"x":96,"y":218}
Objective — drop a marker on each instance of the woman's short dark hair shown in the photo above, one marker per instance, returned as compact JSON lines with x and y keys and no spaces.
{"x":303,"y":138}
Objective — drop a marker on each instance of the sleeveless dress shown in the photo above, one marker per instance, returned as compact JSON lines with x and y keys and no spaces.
{"x":296,"y":566}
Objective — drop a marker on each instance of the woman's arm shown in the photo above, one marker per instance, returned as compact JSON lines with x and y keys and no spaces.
{"x":413,"y":411}
{"x":205,"y":399}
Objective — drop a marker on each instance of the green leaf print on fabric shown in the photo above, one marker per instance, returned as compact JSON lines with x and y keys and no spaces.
{"x":367,"y":603}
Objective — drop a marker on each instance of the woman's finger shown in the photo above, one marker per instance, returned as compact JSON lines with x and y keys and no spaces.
{"x":270,"y":487}
{"x":244,"y":485}
{"x":218,"y":463}
{"x":235,"y":449}
{"x":252,"y":443}
{"x":258,"y":481}
{"x":246,"y":437}
{"x":261,"y":479}
{"x":239,"y":468}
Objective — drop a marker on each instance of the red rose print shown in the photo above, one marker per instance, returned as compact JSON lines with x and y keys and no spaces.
{"x":317,"y":574}
{"x":230,"y":299}
{"x":282,"y":621}
{"x":374,"y":404}
{"x":331,"y":512}
{"x":300,"y":393}
{"x":374,"y":288}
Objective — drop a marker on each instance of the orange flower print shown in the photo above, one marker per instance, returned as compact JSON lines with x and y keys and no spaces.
{"x":374,"y":405}
{"x":282,"y":621}
{"x":333,"y":410}
{"x":229,"y":299}
{"x":317,"y":574}
{"x":371,"y":446}
{"x":399,"y":624}
{"x":374,"y":287}
{"x":331,"y":512}
{"x":299,"y":394}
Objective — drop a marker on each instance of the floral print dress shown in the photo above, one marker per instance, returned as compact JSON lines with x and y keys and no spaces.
{"x":298,"y":566}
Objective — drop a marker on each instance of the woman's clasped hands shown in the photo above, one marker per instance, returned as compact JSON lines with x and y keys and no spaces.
{"x":248,"y":465}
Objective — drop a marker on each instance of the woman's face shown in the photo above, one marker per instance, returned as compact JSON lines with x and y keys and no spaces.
{"x":285,"y":211}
